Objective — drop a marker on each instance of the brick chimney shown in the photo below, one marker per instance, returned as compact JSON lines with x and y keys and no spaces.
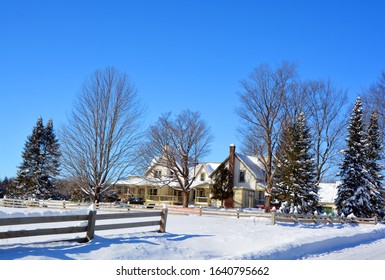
{"x":232,"y":163}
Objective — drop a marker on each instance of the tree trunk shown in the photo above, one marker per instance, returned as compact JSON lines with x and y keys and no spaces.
{"x":185,"y":196}
{"x":268,"y":198}
{"x":97,"y":194}
{"x":267,"y":203}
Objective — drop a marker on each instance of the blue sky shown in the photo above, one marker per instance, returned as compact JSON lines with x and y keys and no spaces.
{"x":179,"y":55}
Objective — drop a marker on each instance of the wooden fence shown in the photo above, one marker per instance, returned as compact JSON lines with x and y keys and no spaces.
{"x":89,"y":225}
{"x":201,"y":211}
{"x":319,"y":219}
{"x":175,"y":210}
{"x":60,"y":204}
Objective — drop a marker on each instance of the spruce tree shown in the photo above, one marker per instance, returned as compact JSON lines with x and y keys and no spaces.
{"x":353,"y":194}
{"x":36,"y":174}
{"x":222,"y":189}
{"x":305,"y":170}
{"x":283,"y":173}
{"x":52,"y":155}
{"x":297,"y":172}
{"x":374,"y":155}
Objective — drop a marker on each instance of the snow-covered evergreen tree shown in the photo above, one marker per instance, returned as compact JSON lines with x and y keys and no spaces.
{"x":283,"y":173}
{"x":222,"y":188}
{"x":353,"y":194}
{"x":36,"y":174}
{"x":297,"y":173}
{"x":374,"y":155}
{"x":52,"y":155}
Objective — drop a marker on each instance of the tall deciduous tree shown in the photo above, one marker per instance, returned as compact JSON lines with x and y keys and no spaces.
{"x":261,"y":112}
{"x":374,"y":98}
{"x":325,"y":106}
{"x":101,"y":140}
{"x":178,"y":144}
{"x":40,"y":167}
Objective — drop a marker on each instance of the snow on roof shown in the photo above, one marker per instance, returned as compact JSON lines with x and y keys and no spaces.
{"x":328,"y":191}
{"x":142,"y":181}
{"x":254,"y":164}
{"x":211,"y":166}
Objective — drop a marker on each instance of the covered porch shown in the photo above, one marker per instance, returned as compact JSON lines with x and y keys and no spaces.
{"x":171,"y":195}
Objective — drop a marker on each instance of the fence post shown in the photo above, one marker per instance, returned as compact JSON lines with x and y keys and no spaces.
{"x":163,"y":219}
{"x":91,"y":225}
{"x":272,"y":218}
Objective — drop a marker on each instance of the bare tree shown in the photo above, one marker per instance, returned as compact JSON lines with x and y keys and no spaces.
{"x":328,"y":121}
{"x":374,"y":98}
{"x":100,"y":141}
{"x":262,"y":114}
{"x":178,"y":144}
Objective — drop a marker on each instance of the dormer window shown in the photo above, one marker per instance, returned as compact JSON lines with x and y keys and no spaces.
{"x":170,"y":174}
{"x":158,"y":173}
{"x":203,"y":177}
{"x":242,"y":174}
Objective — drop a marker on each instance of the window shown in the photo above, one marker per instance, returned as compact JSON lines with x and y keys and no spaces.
{"x":153,"y":191}
{"x":157,"y":173}
{"x":203,"y":177}
{"x":170,"y":174}
{"x":201,"y":193}
{"x":177,"y":193}
{"x":242,"y":176}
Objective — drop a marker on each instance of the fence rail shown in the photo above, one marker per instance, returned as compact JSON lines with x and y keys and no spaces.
{"x":201,"y":211}
{"x":319,"y":219}
{"x":176,"y":210}
{"x":89,"y":226}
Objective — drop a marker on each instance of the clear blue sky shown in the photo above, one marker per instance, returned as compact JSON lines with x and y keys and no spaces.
{"x":179,"y":54}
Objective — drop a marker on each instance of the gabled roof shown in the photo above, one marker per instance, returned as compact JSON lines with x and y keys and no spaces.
{"x":210,"y":167}
{"x":253,"y":164}
{"x":328,"y":191}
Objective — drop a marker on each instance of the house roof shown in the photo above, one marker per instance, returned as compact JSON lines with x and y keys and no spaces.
{"x":144,"y":181}
{"x":328,"y":192}
{"x":253,"y":164}
{"x":209,"y":166}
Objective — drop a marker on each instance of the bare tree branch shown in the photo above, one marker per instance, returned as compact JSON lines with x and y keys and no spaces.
{"x":100,"y":141}
{"x":262,"y":113}
{"x":178,"y":144}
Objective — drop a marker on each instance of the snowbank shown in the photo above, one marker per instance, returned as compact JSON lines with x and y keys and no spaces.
{"x":202,"y":238}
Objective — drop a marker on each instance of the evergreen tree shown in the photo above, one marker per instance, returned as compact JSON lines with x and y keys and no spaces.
{"x":52,"y":155}
{"x":374,"y":152}
{"x":283,"y":174}
{"x":36,"y":175}
{"x":222,"y":189}
{"x":353,"y":194}
{"x":297,"y":172}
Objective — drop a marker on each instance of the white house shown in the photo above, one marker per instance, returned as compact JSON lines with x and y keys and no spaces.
{"x":158,"y":185}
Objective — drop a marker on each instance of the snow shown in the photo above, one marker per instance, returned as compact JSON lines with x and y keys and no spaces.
{"x":206,"y":238}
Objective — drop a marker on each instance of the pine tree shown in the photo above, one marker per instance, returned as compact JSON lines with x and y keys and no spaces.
{"x":353,"y":194}
{"x":283,"y":173}
{"x":36,"y":175}
{"x":297,"y":172}
{"x":52,"y":155}
{"x":374,"y":155}
{"x":222,"y":189}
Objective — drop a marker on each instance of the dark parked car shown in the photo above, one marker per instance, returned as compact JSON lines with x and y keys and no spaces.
{"x":135,"y":200}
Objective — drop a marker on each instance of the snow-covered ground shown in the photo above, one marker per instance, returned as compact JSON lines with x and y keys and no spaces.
{"x":207,"y":238}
